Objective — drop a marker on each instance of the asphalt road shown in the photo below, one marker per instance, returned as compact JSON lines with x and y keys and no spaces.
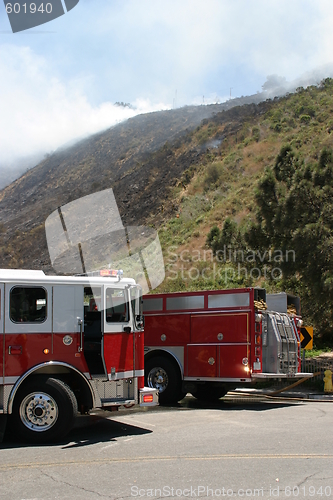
{"x":238,"y":448}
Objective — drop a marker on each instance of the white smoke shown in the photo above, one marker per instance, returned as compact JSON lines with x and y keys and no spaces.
{"x":165,"y":50}
{"x":276,"y":85}
{"x":40,"y":112}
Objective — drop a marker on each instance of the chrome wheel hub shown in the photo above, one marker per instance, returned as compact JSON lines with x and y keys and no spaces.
{"x":38,"y":411}
{"x":158,"y":379}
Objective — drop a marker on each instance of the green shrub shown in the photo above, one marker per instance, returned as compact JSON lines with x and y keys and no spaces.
{"x":305,"y":119}
{"x":212,"y":176}
{"x":256,"y":133}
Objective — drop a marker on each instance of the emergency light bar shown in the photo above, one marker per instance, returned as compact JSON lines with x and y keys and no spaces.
{"x":112,"y":273}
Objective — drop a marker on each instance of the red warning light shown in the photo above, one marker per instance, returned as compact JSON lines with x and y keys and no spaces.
{"x":148,"y":398}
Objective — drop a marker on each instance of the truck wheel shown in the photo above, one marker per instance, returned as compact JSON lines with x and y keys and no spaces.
{"x":164,"y":375}
{"x":209,"y":393}
{"x":44,"y":410}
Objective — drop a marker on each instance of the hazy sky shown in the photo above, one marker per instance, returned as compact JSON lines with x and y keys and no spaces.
{"x":59,"y":81}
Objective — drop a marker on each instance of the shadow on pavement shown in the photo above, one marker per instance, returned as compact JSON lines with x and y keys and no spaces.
{"x":98,"y":428}
{"x":88,"y":430}
{"x":228,"y":403}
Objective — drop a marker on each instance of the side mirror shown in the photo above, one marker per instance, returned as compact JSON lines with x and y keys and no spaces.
{"x":140,"y":320}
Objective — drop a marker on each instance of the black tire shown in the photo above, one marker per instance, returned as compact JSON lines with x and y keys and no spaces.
{"x":164,"y":375}
{"x":209,"y":393}
{"x":44,"y":410}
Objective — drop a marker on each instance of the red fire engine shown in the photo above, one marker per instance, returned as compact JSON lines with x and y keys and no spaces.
{"x":209,"y":342}
{"x":68,"y":344}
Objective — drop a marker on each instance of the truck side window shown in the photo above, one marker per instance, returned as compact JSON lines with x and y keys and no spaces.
{"x":92,"y":313}
{"x":27,"y":304}
{"x":116,"y":310}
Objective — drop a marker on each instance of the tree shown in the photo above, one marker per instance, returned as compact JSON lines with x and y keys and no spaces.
{"x":295,"y":213}
{"x":229,"y":236}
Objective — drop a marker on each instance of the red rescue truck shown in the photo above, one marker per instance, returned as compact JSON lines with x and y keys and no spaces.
{"x":68,"y":344}
{"x":209,"y":342}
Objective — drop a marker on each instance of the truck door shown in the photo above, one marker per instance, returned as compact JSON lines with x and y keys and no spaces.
{"x":118,"y":340}
{"x":67,"y":310}
{"x":28,"y":327}
{"x":93,"y":331}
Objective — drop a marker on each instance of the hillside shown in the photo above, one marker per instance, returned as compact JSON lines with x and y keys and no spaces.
{"x":183,"y":172}
{"x":239,"y":145}
{"x":237,"y":227}
{"x":97,"y":163}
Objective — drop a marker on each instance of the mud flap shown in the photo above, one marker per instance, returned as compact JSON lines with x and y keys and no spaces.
{"x":3,"y":422}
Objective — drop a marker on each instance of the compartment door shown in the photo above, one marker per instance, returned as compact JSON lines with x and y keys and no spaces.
{"x":201,"y":361}
{"x":234,"y":361}
{"x":220,"y":328}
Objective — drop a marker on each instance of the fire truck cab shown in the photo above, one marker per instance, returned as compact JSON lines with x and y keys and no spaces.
{"x":68,"y":344}
{"x":209,"y":342}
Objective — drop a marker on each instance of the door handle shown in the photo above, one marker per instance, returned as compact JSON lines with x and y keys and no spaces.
{"x":80,"y":323}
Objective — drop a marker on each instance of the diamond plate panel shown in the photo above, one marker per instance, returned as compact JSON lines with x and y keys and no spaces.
{"x":115,"y":391}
